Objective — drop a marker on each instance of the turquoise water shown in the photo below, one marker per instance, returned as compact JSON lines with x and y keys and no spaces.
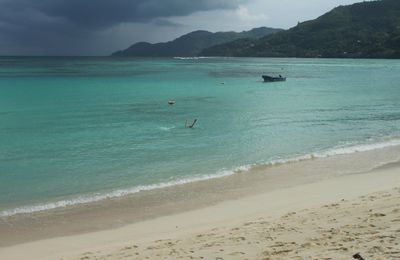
{"x":81,"y":129}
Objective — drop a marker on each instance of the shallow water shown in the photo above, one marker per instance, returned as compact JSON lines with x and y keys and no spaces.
{"x":81,"y":129}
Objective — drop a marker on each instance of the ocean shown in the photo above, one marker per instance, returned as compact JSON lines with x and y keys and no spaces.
{"x":79,"y":130}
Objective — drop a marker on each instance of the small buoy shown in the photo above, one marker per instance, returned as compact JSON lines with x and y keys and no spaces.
{"x":171,"y":102}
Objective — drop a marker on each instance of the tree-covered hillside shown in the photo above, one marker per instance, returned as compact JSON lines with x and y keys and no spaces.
{"x":362,"y":30}
{"x":191,"y":44}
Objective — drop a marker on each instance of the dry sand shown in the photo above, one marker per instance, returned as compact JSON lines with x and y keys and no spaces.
{"x":369,"y":225}
{"x":331,"y":218}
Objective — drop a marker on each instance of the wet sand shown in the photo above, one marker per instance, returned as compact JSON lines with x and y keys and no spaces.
{"x":296,"y":209}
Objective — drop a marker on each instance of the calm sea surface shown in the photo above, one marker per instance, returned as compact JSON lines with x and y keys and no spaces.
{"x":82,"y":129}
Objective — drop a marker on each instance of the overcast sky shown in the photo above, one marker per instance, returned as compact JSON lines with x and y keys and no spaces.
{"x":99,"y":27}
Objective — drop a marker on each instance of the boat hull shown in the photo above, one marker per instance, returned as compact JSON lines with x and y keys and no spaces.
{"x":273,"y":79}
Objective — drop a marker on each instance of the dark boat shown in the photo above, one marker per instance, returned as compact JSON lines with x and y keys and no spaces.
{"x":273,"y":79}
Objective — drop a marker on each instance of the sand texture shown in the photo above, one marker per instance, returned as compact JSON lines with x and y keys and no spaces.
{"x":369,"y":225}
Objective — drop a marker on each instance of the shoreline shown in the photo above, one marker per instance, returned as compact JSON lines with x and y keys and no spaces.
{"x":121,"y":193}
{"x":228,"y":221}
{"x":154,"y":204}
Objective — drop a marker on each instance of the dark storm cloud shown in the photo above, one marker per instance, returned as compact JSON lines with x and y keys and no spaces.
{"x":90,"y":27}
{"x":97,"y":14}
{"x":44,"y":25}
{"x":165,"y":22}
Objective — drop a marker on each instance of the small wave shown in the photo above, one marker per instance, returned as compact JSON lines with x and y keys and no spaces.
{"x":111,"y":195}
{"x":339,"y":150}
{"x":167,"y":128}
{"x":191,"y":58}
{"x":349,"y":149}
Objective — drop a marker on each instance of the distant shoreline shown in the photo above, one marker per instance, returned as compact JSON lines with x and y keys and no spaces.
{"x":172,"y":57}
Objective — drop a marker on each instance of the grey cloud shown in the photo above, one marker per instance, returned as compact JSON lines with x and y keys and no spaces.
{"x":87,"y":27}
{"x":97,"y":14}
{"x":165,"y":22}
{"x":52,"y":25}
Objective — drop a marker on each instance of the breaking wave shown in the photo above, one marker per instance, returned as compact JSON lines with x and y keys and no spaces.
{"x":339,"y":150}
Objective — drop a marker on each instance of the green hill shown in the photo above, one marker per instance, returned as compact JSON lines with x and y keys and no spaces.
{"x":362,"y":30}
{"x":191,"y":44}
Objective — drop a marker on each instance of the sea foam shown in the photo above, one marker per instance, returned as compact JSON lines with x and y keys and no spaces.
{"x":191,"y":58}
{"x":339,"y":150}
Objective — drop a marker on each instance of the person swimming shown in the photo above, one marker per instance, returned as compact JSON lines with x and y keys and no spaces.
{"x":190,"y":125}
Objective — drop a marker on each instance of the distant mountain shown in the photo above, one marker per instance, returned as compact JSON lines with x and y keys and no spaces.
{"x":362,"y":30}
{"x":191,"y":44}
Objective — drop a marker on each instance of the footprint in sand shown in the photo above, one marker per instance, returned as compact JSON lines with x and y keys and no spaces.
{"x":377,"y":215}
{"x":280,"y":252}
{"x":237,"y":253}
{"x":249,"y":224}
{"x":129,"y":247}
